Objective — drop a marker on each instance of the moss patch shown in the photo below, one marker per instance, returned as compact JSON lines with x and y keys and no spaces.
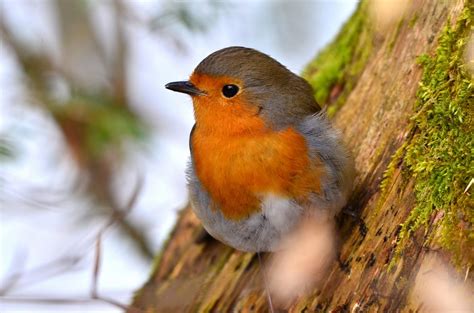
{"x":95,"y":124}
{"x":395,"y":34}
{"x":440,"y":155}
{"x":387,"y":178}
{"x":339,"y":65}
{"x":7,"y":149}
{"x":413,"y":20}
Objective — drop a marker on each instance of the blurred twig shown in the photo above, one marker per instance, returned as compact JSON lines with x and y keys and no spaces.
{"x":95,"y":121}
{"x":119,"y":65}
{"x":174,"y":17}
{"x":65,"y":264}
{"x":40,"y":273}
{"x":94,"y":294}
{"x":18,"y":261}
{"x":95,"y":272}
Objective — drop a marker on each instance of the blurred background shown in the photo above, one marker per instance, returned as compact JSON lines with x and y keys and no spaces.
{"x":93,"y":148}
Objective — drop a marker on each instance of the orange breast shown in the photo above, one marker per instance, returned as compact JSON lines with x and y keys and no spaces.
{"x":238,"y":170}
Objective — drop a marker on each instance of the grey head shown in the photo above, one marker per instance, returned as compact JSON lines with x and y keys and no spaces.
{"x":282,"y":97}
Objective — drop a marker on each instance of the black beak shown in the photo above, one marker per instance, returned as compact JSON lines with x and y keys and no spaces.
{"x":185,"y":87}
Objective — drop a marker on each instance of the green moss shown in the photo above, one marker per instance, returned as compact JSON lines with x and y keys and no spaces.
{"x":7,"y":149}
{"x":413,"y":20}
{"x":440,"y":155}
{"x":341,"y":62}
{"x":387,"y":178}
{"x":98,"y":124}
{"x":395,"y":34}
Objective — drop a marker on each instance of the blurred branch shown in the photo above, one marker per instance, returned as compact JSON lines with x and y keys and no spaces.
{"x":18,"y":261}
{"x":100,"y":182}
{"x":94,"y":121}
{"x":7,"y":148}
{"x":96,"y":270}
{"x":32,"y":63}
{"x":65,"y":264}
{"x":40,"y":273}
{"x":82,"y":56}
{"x":118,"y":215}
{"x":119,"y":65}
{"x":175,"y":16}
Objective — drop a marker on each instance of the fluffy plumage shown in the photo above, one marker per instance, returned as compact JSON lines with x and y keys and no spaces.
{"x":262,"y":229}
{"x":264,"y":159}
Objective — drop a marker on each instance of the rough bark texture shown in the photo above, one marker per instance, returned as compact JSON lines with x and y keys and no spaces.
{"x":193,"y":274}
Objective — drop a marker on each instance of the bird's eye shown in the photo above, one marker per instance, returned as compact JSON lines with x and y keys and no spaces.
{"x":230,"y":90}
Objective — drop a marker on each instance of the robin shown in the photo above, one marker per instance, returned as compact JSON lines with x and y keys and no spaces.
{"x":264,"y":156}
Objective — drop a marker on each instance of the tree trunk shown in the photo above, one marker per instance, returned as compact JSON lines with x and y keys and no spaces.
{"x":388,"y":102}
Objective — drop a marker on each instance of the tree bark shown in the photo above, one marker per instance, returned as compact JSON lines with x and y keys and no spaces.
{"x":195,"y":273}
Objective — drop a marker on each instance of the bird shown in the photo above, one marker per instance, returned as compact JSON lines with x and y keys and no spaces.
{"x":264,"y":155}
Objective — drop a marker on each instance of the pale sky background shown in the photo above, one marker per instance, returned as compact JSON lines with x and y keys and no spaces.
{"x":290,"y":31}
